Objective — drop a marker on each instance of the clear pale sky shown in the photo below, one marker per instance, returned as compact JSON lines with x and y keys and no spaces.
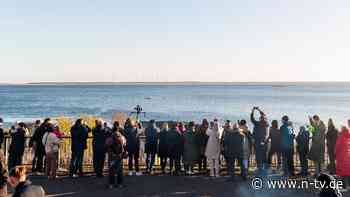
{"x":174,"y":40}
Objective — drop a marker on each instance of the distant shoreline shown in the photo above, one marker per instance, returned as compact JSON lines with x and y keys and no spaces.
{"x":184,"y":83}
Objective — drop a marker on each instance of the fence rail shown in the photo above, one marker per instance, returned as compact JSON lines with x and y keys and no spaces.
{"x":65,"y":155}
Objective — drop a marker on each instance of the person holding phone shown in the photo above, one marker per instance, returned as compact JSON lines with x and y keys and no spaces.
{"x":260,"y":137}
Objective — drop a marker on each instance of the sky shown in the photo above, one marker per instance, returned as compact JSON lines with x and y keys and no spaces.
{"x":182,"y":40}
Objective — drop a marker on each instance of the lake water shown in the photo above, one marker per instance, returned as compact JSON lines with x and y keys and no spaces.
{"x":177,"y":102}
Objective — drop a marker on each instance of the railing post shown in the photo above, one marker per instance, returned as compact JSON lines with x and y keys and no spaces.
{"x":5,"y":149}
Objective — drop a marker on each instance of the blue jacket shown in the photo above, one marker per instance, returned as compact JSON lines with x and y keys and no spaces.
{"x":287,"y":136}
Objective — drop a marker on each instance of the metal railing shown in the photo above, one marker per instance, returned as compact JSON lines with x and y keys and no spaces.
{"x":65,"y":155}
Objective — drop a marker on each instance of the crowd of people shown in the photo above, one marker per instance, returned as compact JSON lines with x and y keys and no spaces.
{"x":190,"y":148}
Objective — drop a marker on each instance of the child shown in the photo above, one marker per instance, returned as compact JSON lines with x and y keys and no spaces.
{"x":116,"y":151}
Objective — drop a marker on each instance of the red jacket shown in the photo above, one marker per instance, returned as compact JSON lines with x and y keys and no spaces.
{"x":342,"y":153}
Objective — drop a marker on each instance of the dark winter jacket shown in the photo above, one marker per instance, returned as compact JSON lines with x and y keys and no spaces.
{"x":303,"y":141}
{"x":132,"y":140}
{"x":151,"y":144}
{"x":259,"y":131}
{"x":275,"y":137}
{"x":116,"y":147}
{"x":37,"y":138}
{"x":233,"y":143}
{"x":175,"y":143}
{"x":331,"y":136}
{"x":191,"y":152}
{"x":163,"y":143}
{"x":79,"y":135}
{"x":99,"y":139}
{"x":201,"y":139}
{"x":18,"y":142}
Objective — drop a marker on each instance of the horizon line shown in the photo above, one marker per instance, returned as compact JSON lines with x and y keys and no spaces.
{"x":162,"y":82}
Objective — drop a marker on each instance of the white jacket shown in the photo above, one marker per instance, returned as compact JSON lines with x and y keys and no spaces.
{"x":212,"y":150}
{"x":51,"y":142}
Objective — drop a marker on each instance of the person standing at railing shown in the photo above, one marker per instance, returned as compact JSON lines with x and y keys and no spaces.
{"x":331,"y":136}
{"x":151,"y":145}
{"x":233,"y":144}
{"x":98,"y":147}
{"x":212,"y":151}
{"x":248,"y":143}
{"x":132,"y":146}
{"x":260,"y":135}
{"x":317,"y":150}
{"x":17,"y":145}
{"x":191,"y":154}
{"x":202,"y":140}
{"x":342,"y":154}
{"x":163,"y":146}
{"x":303,"y":141}
{"x":287,"y":146}
{"x":51,"y":143}
{"x":38,"y":147}
{"x":275,"y":147}
{"x":175,"y":148}
{"x":115,"y":146}
{"x":79,"y":135}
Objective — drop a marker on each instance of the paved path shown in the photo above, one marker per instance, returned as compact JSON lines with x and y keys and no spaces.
{"x":161,"y":186}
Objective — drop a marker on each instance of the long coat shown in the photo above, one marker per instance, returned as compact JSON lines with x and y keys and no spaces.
{"x":331,"y":136}
{"x":201,"y":139}
{"x":213,"y":146}
{"x":342,"y":154}
{"x":163,"y":143}
{"x":191,"y":153}
{"x":175,"y":143}
{"x":318,"y":143}
{"x":275,"y":136}
{"x":132,"y":140}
